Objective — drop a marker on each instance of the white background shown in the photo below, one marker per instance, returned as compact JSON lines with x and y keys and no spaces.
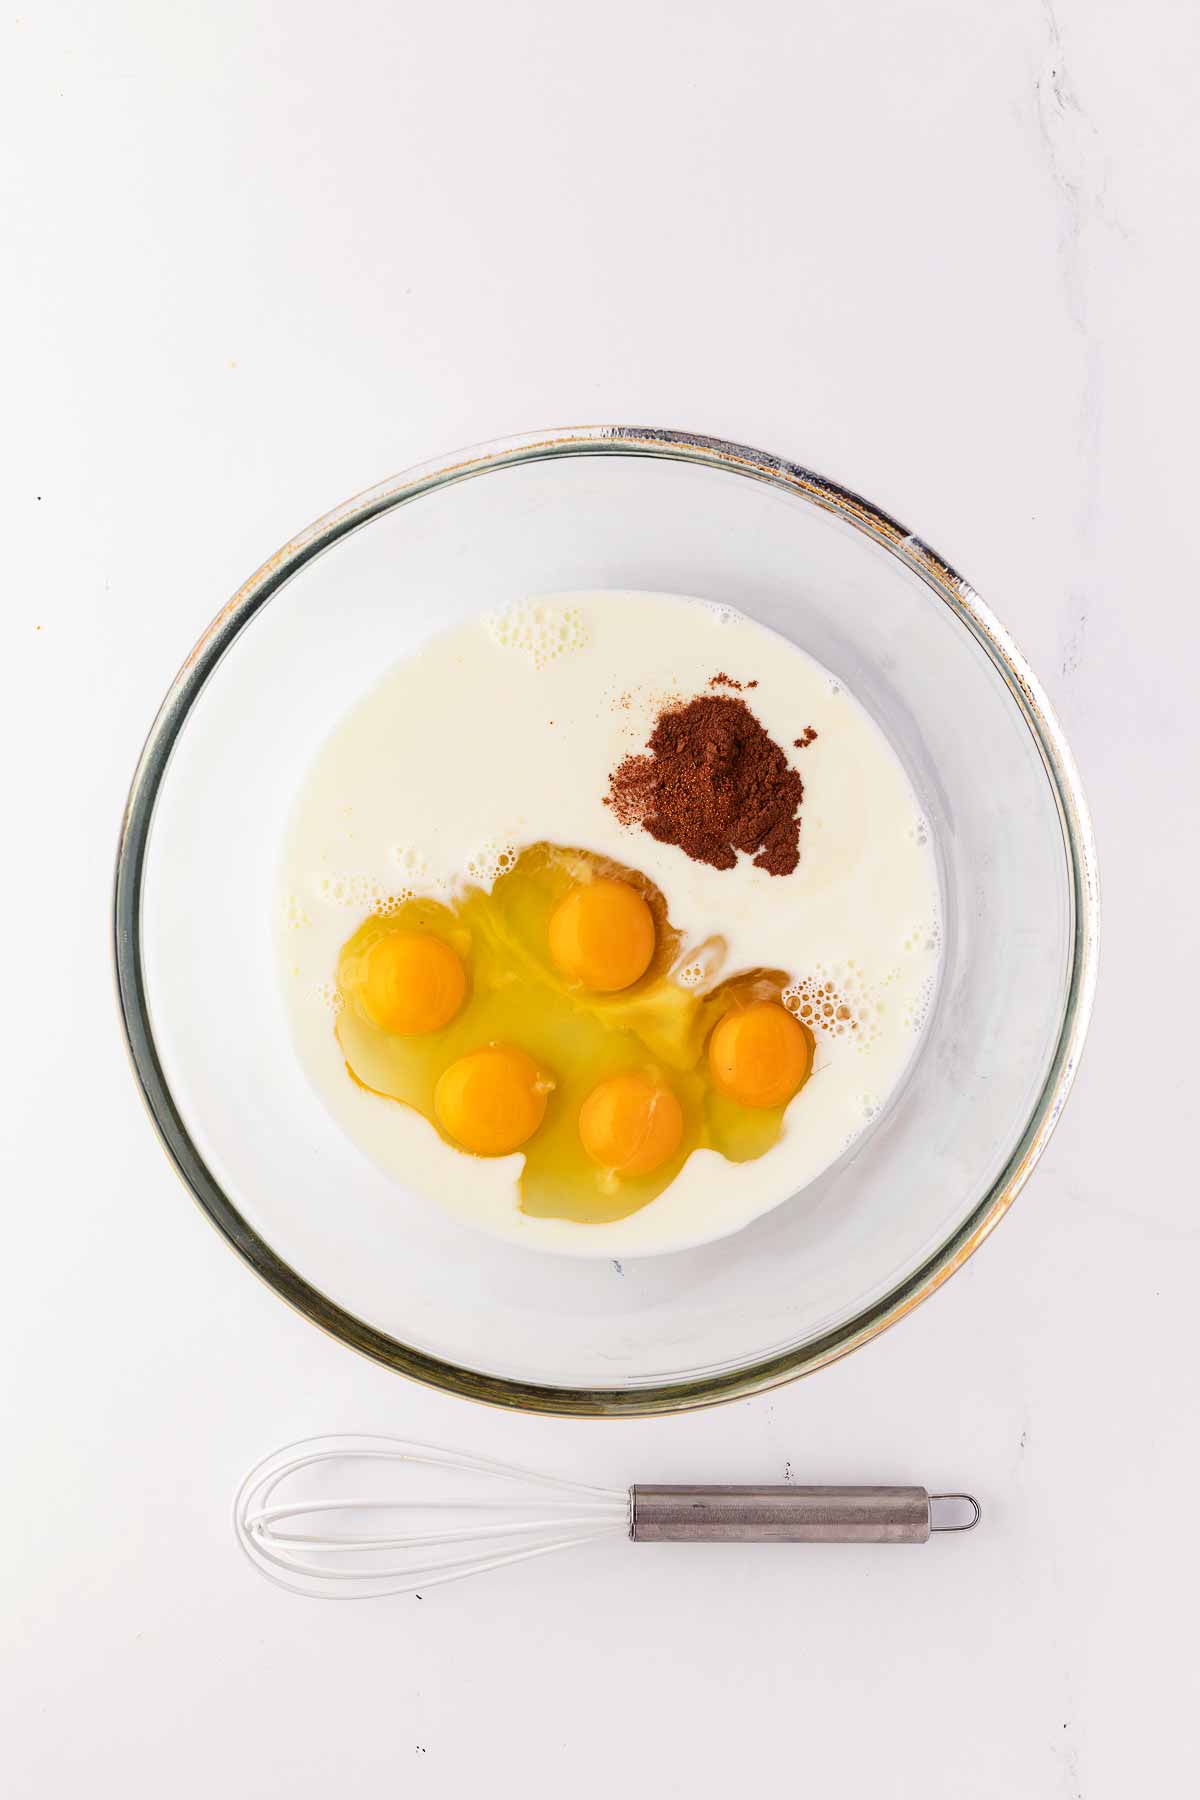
{"x":258,"y":256}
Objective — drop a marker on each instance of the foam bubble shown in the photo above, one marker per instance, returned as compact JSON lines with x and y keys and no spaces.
{"x":329,"y":996}
{"x":917,"y":1013}
{"x":698,"y":964}
{"x":835,"y":1001}
{"x":924,"y":937}
{"x":409,"y":861}
{"x":295,"y":917}
{"x":346,"y":890}
{"x":491,"y":860}
{"x":539,"y":632}
{"x":387,"y":904}
{"x":360,"y":893}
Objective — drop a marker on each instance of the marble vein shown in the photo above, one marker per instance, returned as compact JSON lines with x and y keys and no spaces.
{"x":1077,"y":166}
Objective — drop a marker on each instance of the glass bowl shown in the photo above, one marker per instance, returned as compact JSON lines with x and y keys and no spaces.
{"x":399,"y":1278}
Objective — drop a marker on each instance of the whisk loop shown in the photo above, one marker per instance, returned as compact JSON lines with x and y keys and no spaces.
{"x":413,"y":1508}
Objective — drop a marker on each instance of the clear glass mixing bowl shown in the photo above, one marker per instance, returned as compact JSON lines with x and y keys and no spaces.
{"x":395,"y":1276}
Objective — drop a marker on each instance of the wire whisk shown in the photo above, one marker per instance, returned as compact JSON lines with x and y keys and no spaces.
{"x":352,"y":1516}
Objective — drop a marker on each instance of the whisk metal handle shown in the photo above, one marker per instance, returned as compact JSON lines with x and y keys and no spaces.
{"x":786,"y":1515}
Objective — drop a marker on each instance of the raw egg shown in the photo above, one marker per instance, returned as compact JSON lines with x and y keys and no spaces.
{"x":602,"y":935}
{"x":631,"y":1124}
{"x":413,"y":982}
{"x":543,"y":1015}
{"x":492,"y":1100}
{"x":760,"y":1055}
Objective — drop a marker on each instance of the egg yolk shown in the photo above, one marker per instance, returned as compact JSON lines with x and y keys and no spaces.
{"x":760,"y":1055}
{"x":413,"y":982}
{"x":630,"y":1124}
{"x":492,"y":1100}
{"x":602,"y":935}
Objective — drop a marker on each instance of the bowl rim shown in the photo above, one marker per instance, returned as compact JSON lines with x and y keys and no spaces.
{"x":963,"y":602}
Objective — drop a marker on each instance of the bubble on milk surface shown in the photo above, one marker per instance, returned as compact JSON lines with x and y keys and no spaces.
{"x":347,"y":890}
{"x":387,"y":904}
{"x":699,"y":964}
{"x":836,"y":1001}
{"x":410,"y":862}
{"x":489,"y":861}
{"x":924,"y":937}
{"x":918,"y":1012}
{"x":541,"y":633}
{"x":350,"y":891}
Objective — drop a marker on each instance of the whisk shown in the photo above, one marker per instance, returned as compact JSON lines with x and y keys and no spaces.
{"x":349,"y":1517}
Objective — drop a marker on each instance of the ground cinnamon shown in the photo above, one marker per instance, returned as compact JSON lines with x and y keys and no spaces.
{"x":714,"y":783}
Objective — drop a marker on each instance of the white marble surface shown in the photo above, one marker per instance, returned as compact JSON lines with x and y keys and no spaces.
{"x":263,"y":254}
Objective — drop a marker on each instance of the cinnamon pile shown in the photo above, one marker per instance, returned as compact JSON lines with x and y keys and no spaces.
{"x":715,"y":784}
